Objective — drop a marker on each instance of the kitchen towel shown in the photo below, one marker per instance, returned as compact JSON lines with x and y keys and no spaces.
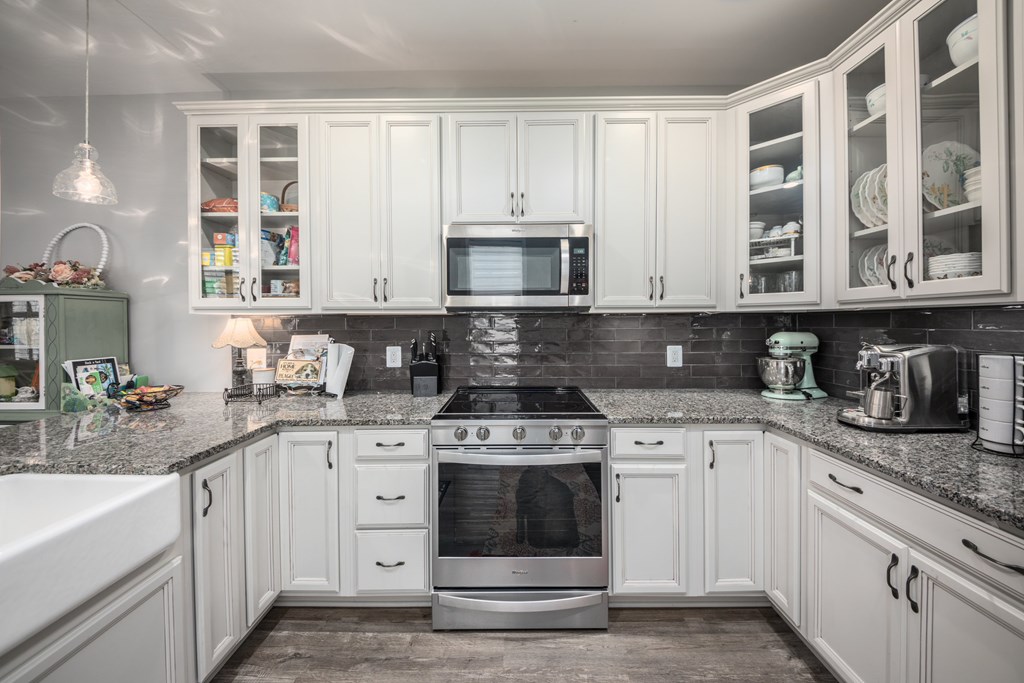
{"x":339,"y":362}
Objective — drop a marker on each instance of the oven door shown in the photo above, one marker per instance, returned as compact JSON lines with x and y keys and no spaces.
{"x":520,"y":518}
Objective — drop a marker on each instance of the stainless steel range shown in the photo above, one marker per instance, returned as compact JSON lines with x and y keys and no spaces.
{"x":520,"y":522}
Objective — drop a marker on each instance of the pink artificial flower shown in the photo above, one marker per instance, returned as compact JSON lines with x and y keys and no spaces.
{"x":11,"y":270}
{"x":61,"y":272}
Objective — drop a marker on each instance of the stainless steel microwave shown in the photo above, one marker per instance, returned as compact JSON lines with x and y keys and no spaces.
{"x":518,"y":266}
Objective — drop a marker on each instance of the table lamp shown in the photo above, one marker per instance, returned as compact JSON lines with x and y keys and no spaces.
{"x":240,"y":334}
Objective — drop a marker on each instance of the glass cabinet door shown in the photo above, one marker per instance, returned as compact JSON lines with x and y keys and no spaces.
{"x":22,"y":384}
{"x":957,"y":211}
{"x":221,"y":243}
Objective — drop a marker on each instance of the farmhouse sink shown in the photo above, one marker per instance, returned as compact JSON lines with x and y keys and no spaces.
{"x":66,"y":537}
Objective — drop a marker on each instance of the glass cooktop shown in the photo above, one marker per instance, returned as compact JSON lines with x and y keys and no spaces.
{"x":518,"y":402}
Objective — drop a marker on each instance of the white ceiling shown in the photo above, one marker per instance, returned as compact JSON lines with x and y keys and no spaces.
{"x":436,"y":47}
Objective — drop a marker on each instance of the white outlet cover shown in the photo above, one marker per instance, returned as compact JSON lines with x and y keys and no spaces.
{"x":394,"y":356}
{"x":674,"y":356}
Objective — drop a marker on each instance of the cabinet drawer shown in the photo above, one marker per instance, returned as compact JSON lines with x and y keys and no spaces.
{"x":391,"y":562}
{"x":648,"y":443}
{"x":936,"y":526}
{"x":391,"y":495}
{"x":391,"y":443}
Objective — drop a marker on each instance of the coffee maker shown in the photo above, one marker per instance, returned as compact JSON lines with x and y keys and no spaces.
{"x":908,"y":388}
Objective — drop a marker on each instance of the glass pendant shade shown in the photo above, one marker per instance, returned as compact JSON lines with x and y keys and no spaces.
{"x":83,"y":180}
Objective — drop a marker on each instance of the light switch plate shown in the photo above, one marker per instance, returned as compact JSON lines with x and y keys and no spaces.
{"x":674,"y":356}
{"x":394,"y":356}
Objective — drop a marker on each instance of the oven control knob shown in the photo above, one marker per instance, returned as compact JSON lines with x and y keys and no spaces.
{"x":519,"y":433}
{"x":578,"y":433}
{"x":461,"y":433}
{"x":555,"y":433}
{"x":483,"y":433}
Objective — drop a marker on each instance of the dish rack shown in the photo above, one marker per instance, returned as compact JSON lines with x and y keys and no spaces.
{"x":767,"y":247}
{"x":254,"y":392}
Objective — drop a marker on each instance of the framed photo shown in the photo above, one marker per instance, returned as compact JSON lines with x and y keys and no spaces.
{"x":92,"y":376}
{"x":298,"y":371}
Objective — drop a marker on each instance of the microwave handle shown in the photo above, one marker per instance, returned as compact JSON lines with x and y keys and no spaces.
{"x":518,"y":459}
{"x":565,"y":267}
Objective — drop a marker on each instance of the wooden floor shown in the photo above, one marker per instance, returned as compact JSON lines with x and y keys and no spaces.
{"x":307,"y":645}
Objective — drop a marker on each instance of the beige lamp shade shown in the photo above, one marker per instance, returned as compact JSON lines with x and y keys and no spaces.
{"x":239,"y":333}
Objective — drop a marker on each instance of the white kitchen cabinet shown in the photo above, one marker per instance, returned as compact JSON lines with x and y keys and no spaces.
{"x":733,"y":511}
{"x":262,"y":528}
{"x":649,"y":528}
{"x":517,"y":168}
{"x":381,"y":212}
{"x":392,"y":562}
{"x":254,"y":256}
{"x":219,"y":559}
{"x":855,"y":613}
{"x":310,"y":557}
{"x":391,"y":495}
{"x":655,"y":199}
{"x":782,"y":540}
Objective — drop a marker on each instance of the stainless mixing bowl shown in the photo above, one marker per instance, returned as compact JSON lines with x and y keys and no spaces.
{"x":781,"y":374}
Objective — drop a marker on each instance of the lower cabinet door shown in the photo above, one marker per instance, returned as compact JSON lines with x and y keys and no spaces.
{"x":219,"y":558}
{"x":855,"y":594}
{"x":262,"y":528}
{"x":649,"y":521}
{"x":392,"y":562}
{"x":733,"y":519}
{"x":959,"y":631}
{"x":782,"y":525}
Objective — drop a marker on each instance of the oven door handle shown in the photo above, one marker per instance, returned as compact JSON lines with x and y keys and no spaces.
{"x":525,"y":459}
{"x":555,"y":605}
{"x":564,"y":284}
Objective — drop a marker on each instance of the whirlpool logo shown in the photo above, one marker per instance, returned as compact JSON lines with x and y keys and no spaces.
{"x":520,"y":572}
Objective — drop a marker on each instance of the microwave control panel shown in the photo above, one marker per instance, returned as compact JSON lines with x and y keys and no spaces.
{"x":579,"y":266}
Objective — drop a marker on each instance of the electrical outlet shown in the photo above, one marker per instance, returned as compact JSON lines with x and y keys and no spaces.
{"x":394,"y":356}
{"x":674,"y":356}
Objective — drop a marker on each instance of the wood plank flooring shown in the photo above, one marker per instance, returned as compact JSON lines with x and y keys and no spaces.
{"x":388,"y":645}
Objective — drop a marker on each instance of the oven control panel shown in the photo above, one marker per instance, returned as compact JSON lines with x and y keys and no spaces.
{"x":579,"y":266}
{"x":527,"y":433}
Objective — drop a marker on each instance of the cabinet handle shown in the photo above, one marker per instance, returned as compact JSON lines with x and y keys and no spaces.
{"x":330,"y":465}
{"x":888,"y":576}
{"x":401,"y":497}
{"x":209,"y":502}
{"x":390,"y":445}
{"x":974,"y":549}
{"x":711,"y":444}
{"x":618,"y":488}
{"x":400,"y":563}
{"x":914,"y":573}
{"x":888,"y":271}
{"x":512,"y":197}
{"x":374,"y":290}
{"x":384,"y":289}
{"x":906,"y":266}
{"x":652,"y":443}
{"x":855,"y":489}
{"x":522,"y":204}
{"x":252,"y":289}
{"x":661,"y":296}
{"x":241,"y":291}
{"x":741,"y":285}
{"x":650,"y":297}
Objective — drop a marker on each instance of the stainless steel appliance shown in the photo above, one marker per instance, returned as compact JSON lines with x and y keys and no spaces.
{"x":908,"y":388}
{"x":520,"y":529}
{"x":518,"y":266}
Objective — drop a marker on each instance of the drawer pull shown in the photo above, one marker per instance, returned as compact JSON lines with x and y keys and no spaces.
{"x":209,"y":503}
{"x":711,"y":445}
{"x":400,"y":563}
{"x":653,"y":443}
{"x":1005,"y":565}
{"x":401,"y":497}
{"x":914,"y":573}
{"x":888,"y":576}
{"x":618,"y":488}
{"x":390,"y":445}
{"x":855,"y":489}
{"x":330,"y":445}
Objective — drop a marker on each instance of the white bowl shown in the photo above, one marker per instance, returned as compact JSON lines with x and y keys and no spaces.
{"x":765,"y":176}
{"x":963,"y":41}
{"x":756,"y":233}
{"x":757,"y":224}
{"x":973,"y":194}
{"x":876,"y":100}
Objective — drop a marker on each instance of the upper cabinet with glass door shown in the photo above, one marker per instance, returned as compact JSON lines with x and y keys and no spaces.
{"x":778,"y":192}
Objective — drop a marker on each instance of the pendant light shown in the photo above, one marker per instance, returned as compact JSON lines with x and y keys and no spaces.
{"x":83,"y":181}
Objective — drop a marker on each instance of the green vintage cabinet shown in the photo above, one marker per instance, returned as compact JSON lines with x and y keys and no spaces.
{"x":41,"y":326}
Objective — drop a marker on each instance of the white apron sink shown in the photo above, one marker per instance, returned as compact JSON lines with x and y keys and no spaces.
{"x":66,"y":537}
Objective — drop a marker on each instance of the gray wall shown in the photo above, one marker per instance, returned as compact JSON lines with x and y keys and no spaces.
{"x":141,"y":141}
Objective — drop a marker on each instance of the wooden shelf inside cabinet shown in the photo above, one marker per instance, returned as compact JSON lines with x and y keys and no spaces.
{"x":280,"y":268}
{"x":787,"y":151}
{"x":278,"y":168}
{"x":962,"y":80}
{"x":871,"y":127}
{"x":953,"y":217}
{"x":776,"y":263}
{"x":226,"y":269}
{"x":878,"y":232}
{"x":224,"y":166}
{"x":778,"y":199}
{"x":279,"y":214}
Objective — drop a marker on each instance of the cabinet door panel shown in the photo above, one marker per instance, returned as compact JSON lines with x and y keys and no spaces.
{"x":686,"y":216}
{"x":392,"y":562}
{"x":351,"y":264}
{"x":853,"y":619}
{"x":262,"y":528}
{"x":733,"y":521}
{"x":410,"y":211}
{"x":391,"y":495}
{"x":626,"y":210}
{"x":649,"y":522}
{"x":782,"y":525}
{"x":480,"y":168}
{"x":553,"y":167}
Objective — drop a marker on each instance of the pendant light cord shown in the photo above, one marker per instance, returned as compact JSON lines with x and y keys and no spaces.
{"x":87,"y":72}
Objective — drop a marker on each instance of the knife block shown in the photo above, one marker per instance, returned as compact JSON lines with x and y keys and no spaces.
{"x":425,"y":376}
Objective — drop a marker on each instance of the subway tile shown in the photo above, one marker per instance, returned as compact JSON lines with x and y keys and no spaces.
{"x":640,"y":383}
{"x":1003,"y":318}
{"x":630,"y":334}
{"x":615,"y":346}
{"x":715,"y":371}
{"x":739,"y":383}
{"x":369,"y":322}
{"x":863,"y":319}
{"x":933,"y":318}
{"x":684,"y":382}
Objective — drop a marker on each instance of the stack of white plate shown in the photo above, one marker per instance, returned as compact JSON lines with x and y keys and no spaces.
{"x":1001,"y":402}
{"x":872,"y":265}
{"x":952,"y":266}
{"x":972,"y":184}
{"x":869,"y":197}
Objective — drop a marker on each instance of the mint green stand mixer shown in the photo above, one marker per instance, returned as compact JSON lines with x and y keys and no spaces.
{"x":787,"y":368}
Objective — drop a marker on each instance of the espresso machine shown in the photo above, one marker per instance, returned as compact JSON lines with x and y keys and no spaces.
{"x":787,"y":367}
{"x":908,"y":388}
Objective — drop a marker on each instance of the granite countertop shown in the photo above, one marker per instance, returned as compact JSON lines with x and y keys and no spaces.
{"x":199,"y":425}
